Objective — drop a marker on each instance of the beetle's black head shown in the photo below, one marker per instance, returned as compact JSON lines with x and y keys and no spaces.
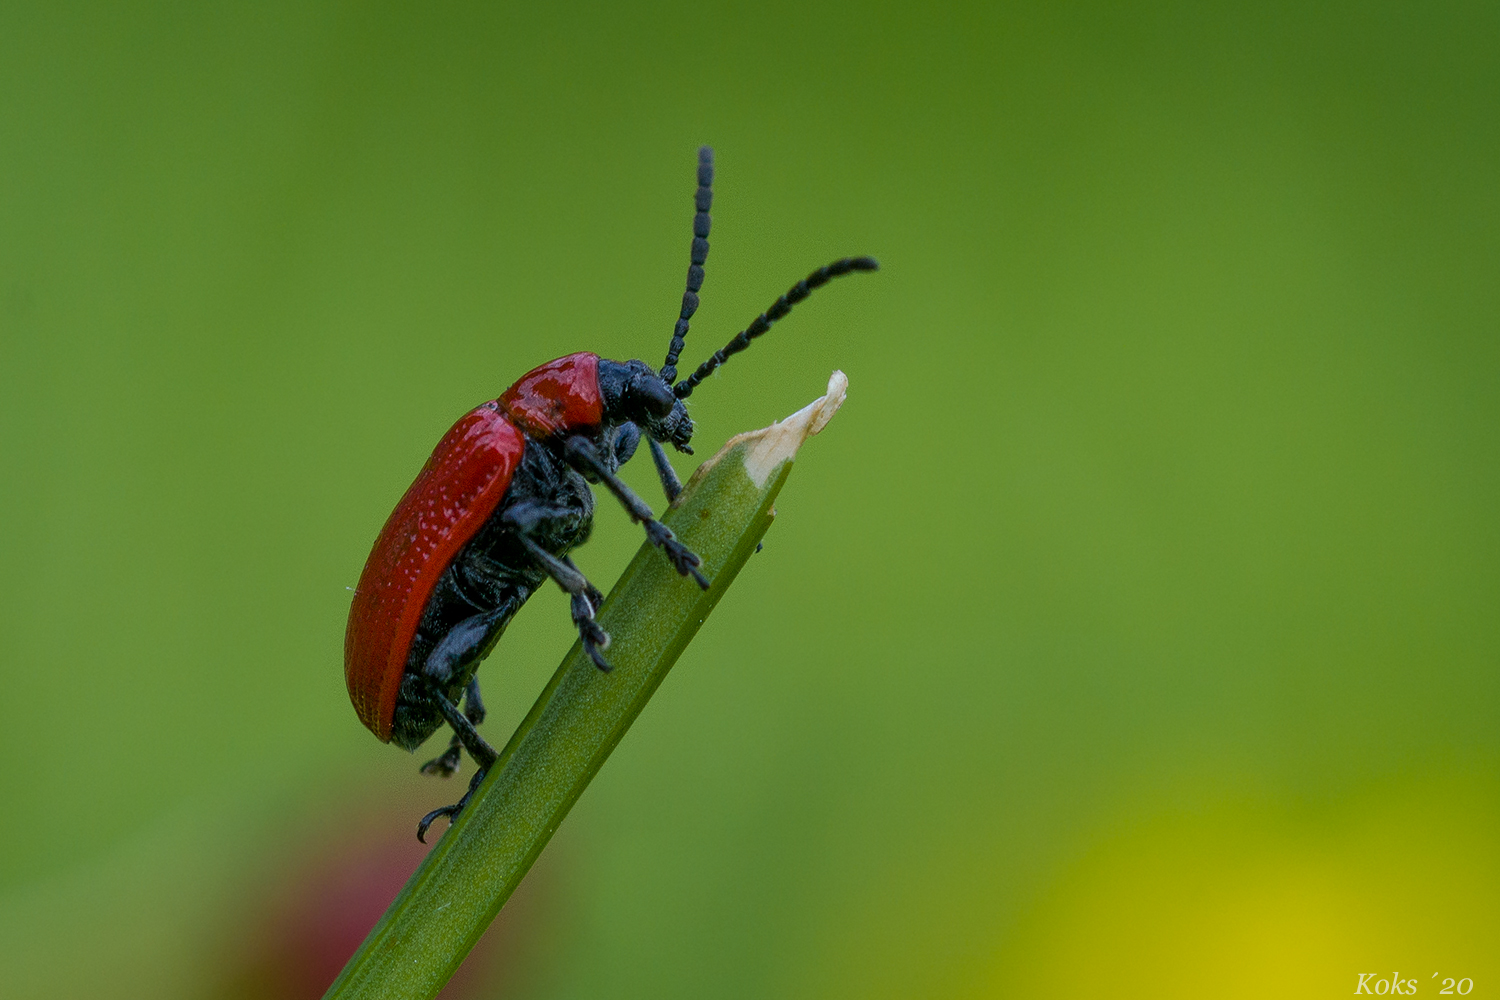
{"x":633,"y":392}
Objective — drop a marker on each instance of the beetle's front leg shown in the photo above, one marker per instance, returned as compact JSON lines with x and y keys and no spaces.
{"x":670,"y":484}
{"x":627,"y":439}
{"x":583,"y":456}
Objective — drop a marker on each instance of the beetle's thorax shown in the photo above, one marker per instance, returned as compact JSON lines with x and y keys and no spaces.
{"x":558,"y":398}
{"x":585,"y":394}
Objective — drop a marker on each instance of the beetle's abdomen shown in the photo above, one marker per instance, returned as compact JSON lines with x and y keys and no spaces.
{"x":559,"y":397}
{"x":456,"y":491}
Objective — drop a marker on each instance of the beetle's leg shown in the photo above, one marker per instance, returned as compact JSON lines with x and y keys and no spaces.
{"x":464,"y":643}
{"x":447,"y":765}
{"x":474,"y":709}
{"x":484,"y":755}
{"x":581,"y":454}
{"x":460,"y":646}
{"x":584,"y":597}
{"x":595,"y":597}
{"x":453,"y":810}
{"x":669,"y":481}
{"x":584,"y":600}
{"x":627,"y":439}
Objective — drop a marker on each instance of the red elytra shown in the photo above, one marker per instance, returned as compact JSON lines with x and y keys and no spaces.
{"x":459,"y":487}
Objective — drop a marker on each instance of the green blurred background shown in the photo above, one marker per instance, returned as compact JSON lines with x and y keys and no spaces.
{"x":1132,"y":632}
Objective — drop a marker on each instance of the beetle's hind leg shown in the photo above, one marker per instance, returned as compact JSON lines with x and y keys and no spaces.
{"x":453,"y":810}
{"x":447,"y":765}
{"x":484,"y":755}
{"x":464,"y":643}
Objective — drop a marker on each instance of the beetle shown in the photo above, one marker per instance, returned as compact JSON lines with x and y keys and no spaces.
{"x":498,"y":506}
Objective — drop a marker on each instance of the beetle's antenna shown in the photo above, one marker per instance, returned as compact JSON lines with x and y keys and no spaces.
{"x":703,"y":198}
{"x":779,"y":308}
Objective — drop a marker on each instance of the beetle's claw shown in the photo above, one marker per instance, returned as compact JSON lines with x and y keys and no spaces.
{"x":684,"y":560}
{"x":592,"y":648}
{"x":591,"y":632}
{"x":426,"y":821}
{"x":453,"y":810}
{"x":593,"y":637}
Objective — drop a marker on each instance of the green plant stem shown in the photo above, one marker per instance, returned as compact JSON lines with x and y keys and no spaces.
{"x":652,"y":614}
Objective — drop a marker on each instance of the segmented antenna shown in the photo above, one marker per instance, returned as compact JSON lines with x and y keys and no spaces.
{"x":702,"y":200}
{"x":779,"y":308}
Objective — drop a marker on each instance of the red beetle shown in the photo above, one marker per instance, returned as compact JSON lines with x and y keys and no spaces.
{"x":495,"y":511}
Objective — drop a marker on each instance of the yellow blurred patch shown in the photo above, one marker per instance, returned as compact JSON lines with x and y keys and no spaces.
{"x":1255,"y":900}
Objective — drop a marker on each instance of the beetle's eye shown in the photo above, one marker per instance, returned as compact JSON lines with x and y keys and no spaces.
{"x":655,"y":396}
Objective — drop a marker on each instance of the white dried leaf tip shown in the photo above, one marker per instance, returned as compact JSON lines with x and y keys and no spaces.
{"x":771,"y":446}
